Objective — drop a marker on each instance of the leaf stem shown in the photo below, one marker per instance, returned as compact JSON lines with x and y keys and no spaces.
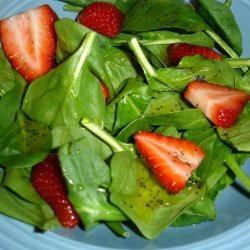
{"x":85,"y":50}
{"x":160,"y":42}
{"x":72,"y":8}
{"x":147,"y":67}
{"x":240,"y":174}
{"x":105,"y":136}
{"x":222,"y":44}
{"x":238,"y":62}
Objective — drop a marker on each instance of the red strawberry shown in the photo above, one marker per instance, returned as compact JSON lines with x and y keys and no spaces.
{"x":178,"y":50}
{"x":221,"y":105}
{"x":48,"y":181}
{"x":105,"y":91}
{"x":171,"y":159}
{"x":102,"y":17}
{"x":29,"y":41}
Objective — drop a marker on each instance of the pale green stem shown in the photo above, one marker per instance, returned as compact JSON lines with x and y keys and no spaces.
{"x":103,"y":135}
{"x":85,"y":50}
{"x":160,"y":42}
{"x":238,"y":62}
{"x":135,"y":46}
{"x":224,"y":46}
{"x":237,"y":170}
{"x":72,"y":8}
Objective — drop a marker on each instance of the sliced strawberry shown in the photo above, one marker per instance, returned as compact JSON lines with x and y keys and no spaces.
{"x":221,"y":105}
{"x":178,"y":50}
{"x":102,"y":17}
{"x":29,"y":41}
{"x":172,"y":160}
{"x":48,"y":181}
{"x":105,"y":91}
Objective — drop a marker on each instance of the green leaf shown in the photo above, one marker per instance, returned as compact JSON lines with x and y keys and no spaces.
{"x":221,"y":19}
{"x":24,"y":143}
{"x":19,"y":200}
{"x":202,"y":210}
{"x":12,"y":87}
{"x":198,"y":68}
{"x":182,"y":120}
{"x":81,"y":3}
{"x":167,"y":103}
{"x":151,"y":15}
{"x":141,"y":94}
{"x":37,"y":215}
{"x":87,"y":178}
{"x":65,"y":95}
{"x":112,"y":65}
{"x":216,"y":155}
{"x":238,"y":135}
{"x":18,"y":180}
{"x":139,"y":195}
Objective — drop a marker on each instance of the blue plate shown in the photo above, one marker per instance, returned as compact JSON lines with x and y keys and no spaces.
{"x":231,"y":229}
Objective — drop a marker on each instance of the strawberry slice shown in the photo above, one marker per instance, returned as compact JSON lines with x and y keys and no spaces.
{"x":105,"y":91}
{"x":102,"y":17}
{"x":48,"y":181}
{"x":29,"y":41}
{"x":222,"y":105}
{"x":178,"y":50}
{"x":172,"y":160}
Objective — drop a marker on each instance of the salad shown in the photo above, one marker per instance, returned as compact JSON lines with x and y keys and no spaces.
{"x":111,"y":103}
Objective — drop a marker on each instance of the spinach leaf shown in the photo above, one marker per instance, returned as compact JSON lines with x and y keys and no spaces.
{"x":81,"y":3}
{"x":18,"y":180}
{"x":198,"y":68}
{"x":88,"y":179}
{"x":20,"y":200}
{"x":182,"y":120}
{"x":221,"y":19}
{"x":63,"y":135}
{"x":128,"y":105}
{"x":200,"y":211}
{"x":37,"y":215}
{"x":238,"y":135}
{"x":167,"y":103}
{"x":151,"y":15}
{"x":216,"y":154}
{"x":24,"y":143}
{"x":139,"y":195}
{"x":65,"y":95}
{"x":12,"y":87}
{"x":110,"y":64}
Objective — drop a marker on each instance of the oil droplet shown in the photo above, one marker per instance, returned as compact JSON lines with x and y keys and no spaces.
{"x":80,"y":187}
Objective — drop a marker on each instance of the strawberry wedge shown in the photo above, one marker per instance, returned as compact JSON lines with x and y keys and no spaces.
{"x":102,"y":17}
{"x":29,"y":41}
{"x":221,"y":105}
{"x":172,"y":160}
{"x":178,"y":50}
{"x":48,"y":181}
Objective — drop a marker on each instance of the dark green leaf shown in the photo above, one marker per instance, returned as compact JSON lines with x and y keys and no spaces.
{"x":12,"y":87}
{"x":182,"y":120}
{"x":151,"y":15}
{"x":221,"y":19}
{"x":24,"y":143}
